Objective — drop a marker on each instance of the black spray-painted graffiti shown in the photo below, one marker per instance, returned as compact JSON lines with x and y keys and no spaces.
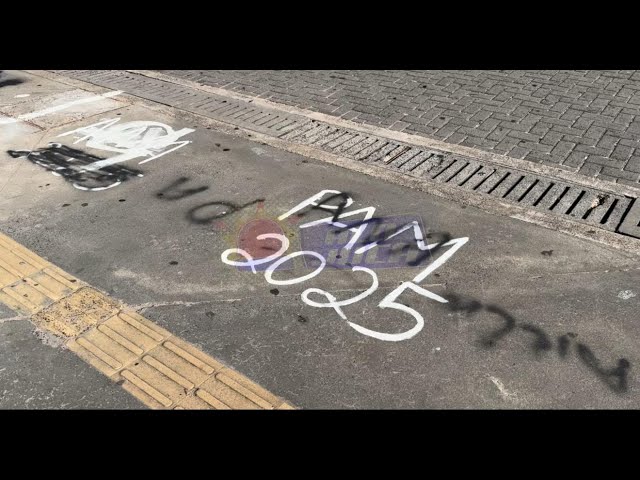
{"x":73,"y":165}
{"x":615,"y":378}
{"x":8,"y":82}
{"x":325,"y":206}
{"x":206,"y":212}
{"x":129,"y":140}
{"x":226,"y":208}
{"x":173,"y":192}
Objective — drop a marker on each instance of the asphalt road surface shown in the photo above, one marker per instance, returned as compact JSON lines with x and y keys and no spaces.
{"x":461,"y":309}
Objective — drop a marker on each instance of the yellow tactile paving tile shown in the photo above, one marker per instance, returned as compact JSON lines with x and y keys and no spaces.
{"x":144,"y":330}
{"x":250,"y":390}
{"x":220,"y":395}
{"x":28,"y":283}
{"x":176,"y":375}
{"x":24,"y":298}
{"x":17,"y":263}
{"x":179,"y":367}
{"x":168,"y":374}
{"x":63,"y":278}
{"x":151,"y":387}
{"x":192,"y":355}
{"x":49,"y":285}
{"x":20,"y":266}
{"x":156,"y":367}
{"x":110,"y":351}
{"x":7,"y":277}
{"x":25,"y":255}
{"x":74,"y":314}
{"x":117,"y":342}
{"x":193,"y":402}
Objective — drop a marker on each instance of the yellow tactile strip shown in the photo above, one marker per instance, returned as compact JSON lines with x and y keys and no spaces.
{"x":161,"y":370}
{"x":28,"y":283}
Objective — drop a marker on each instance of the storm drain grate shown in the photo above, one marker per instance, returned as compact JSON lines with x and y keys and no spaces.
{"x":604,"y":210}
{"x":631,"y":223}
{"x":601,"y":209}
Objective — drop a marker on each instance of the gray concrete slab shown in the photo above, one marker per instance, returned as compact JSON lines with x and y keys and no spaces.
{"x":535,"y":319}
{"x":36,"y":373}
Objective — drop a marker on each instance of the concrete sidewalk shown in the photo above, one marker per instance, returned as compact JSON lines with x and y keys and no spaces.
{"x":150,"y":204}
{"x":584,"y":121}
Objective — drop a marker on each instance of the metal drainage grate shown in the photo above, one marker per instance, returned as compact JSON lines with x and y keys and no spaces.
{"x":601,"y":209}
{"x":604,"y":210}
{"x":631,"y":223}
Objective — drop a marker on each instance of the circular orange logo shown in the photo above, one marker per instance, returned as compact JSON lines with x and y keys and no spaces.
{"x":248,"y":238}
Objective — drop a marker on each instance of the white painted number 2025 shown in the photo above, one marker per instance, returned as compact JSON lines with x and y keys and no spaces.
{"x":388,"y":301}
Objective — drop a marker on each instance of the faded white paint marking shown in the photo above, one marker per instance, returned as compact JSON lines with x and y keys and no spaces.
{"x":626,"y":294}
{"x":506,"y":394}
{"x":58,"y":108}
{"x":94,"y":189}
{"x":130,"y":140}
{"x":258,"y":151}
{"x":23,"y":95}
